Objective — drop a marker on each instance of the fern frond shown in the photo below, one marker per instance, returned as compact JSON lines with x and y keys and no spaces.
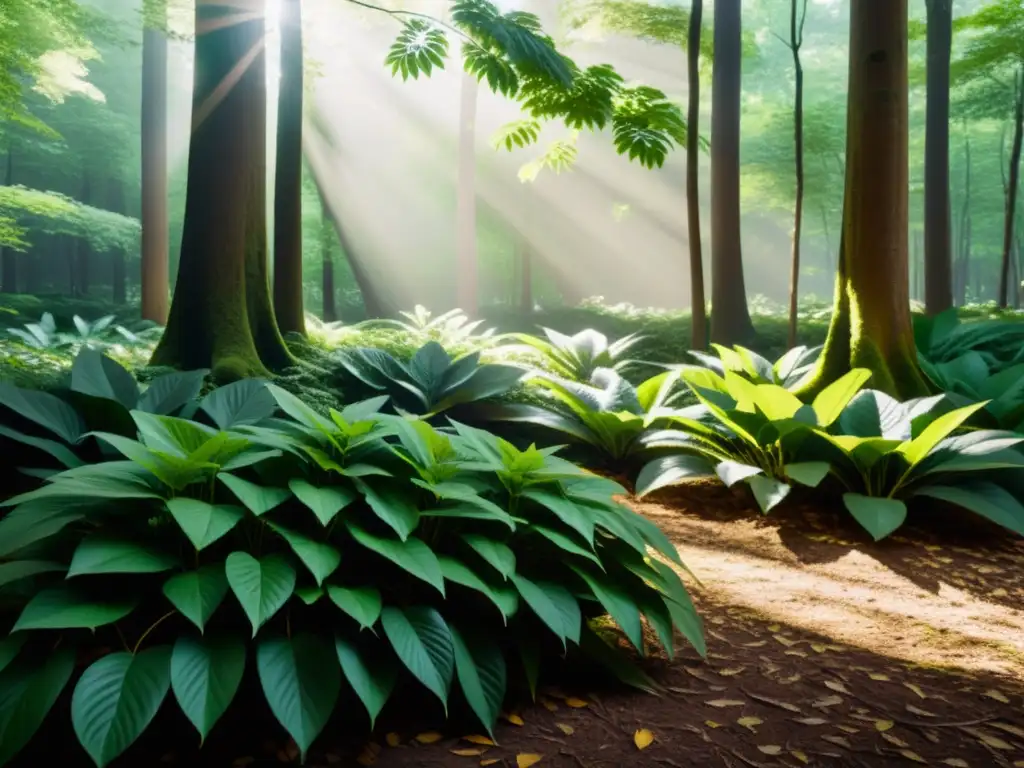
{"x":419,"y":48}
{"x":560,"y":156}
{"x":588,"y":103}
{"x":483,"y":63}
{"x":521,"y":133}
{"x":646,"y":124}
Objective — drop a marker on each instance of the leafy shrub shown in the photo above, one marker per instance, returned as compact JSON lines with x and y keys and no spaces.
{"x":752,"y":433}
{"x":620,"y":422}
{"x":431,"y":382}
{"x":969,"y":378}
{"x":282,"y":538}
{"x":578,"y":357}
{"x":449,"y":329}
{"x":944,"y":338}
{"x":788,"y":371}
{"x":44,"y":335}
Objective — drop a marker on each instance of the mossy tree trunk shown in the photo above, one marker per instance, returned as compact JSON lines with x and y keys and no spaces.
{"x":871,"y":325}
{"x":730,"y":317}
{"x":938,"y":269}
{"x":1011,"y":185}
{"x":698,"y":301}
{"x":221,"y":313}
{"x":288,"y":300}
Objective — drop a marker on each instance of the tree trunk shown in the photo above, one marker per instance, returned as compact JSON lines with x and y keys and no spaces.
{"x":964,"y":266}
{"x":118,"y":271}
{"x":155,"y":228}
{"x":221,"y":314}
{"x":466,"y":267}
{"x":1011,"y":188}
{"x":730,"y":318}
{"x":938,"y":279}
{"x":8,"y":256}
{"x":330,"y":312}
{"x":83,"y":248}
{"x":796,"y":31}
{"x":871,"y":326}
{"x":288,"y":300}
{"x":698,"y":302}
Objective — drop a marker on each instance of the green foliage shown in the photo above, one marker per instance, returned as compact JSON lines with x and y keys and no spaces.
{"x":944,"y":338}
{"x":576,"y":358}
{"x":54,"y":214}
{"x":449,"y":329}
{"x":518,"y":60}
{"x":787,"y":372}
{"x":431,"y":382}
{"x":44,"y":335}
{"x":656,"y":22}
{"x":280,"y":538}
{"x":969,"y":379}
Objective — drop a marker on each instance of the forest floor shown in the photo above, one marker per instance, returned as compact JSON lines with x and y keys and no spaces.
{"x":824,"y":650}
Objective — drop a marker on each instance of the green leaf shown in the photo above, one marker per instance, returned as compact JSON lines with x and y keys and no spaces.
{"x":309,"y":595}
{"x":204,"y":523}
{"x":99,"y":554}
{"x":411,"y":555}
{"x":44,"y":409}
{"x":92,"y":482}
{"x":301,"y":680}
{"x":732,"y":472}
{"x":261,"y":586}
{"x":197,"y":594}
{"x":809,"y":473}
{"x":878,"y":516}
{"x":566,"y":544}
{"x":205,"y":675}
{"x":833,"y":399}
{"x":768,"y":492}
{"x":10,"y":647}
{"x":371,"y":676}
{"x":982,"y":498}
{"x":257,"y":499}
{"x":239,"y":403}
{"x":505,"y":599}
{"x":326,"y":502}
{"x":64,"y":608}
{"x":116,"y":699}
{"x":529,"y":656}
{"x":423,"y":643}
{"x":59,"y":451}
{"x":564,"y":508}
{"x":671,"y":470}
{"x":615,"y":661}
{"x":483,"y":677}
{"x":361,"y":603}
{"x":394,"y":505}
{"x":319,"y":557}
{"x":23,"y":569}
{"x":618,"y":603}
{"x":168,"y":393}
{"x":497,"y":555}
{"x":96,"y":375}
{"x":914,"y":451}
{"x":562,"y":616}
{"x":28,"y":692}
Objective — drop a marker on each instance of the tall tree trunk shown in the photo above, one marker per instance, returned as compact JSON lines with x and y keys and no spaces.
{"x":698,"y":302}
{"x":938,"y":279}
{"x":1012,"y":183}
{"x":288,"y":303}
{"x":155,"y":227}
{"x":83,"y":248}
{"x":871,"y":326}
{"x":118,"y":272}
{"x":964,"y":266}
{"x":221,"y":314}
{"x":730,"y":318}
{"x":330,"y":312}
{"x":466,"y":266}
{"x":8,"y":256}
{"x":796,"y":34}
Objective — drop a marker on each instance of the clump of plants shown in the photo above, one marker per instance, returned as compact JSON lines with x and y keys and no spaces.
{"x":353,"y":549}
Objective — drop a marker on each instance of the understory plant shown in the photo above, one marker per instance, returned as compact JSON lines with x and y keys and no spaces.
{"x":751,"y":433}
{"x":352,"y":549}
{"x":971,"y":378}
{"x":944,"y":338}
{"x":788,"y":371}
{"x":577,"y":357}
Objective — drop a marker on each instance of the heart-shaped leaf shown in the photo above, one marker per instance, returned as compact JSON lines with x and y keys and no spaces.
{"x":371,"y":675}
{"x":205,"y":675}
{"x":261,"y":586}
{"x":197,"y":594}
{"x":203,"y":522}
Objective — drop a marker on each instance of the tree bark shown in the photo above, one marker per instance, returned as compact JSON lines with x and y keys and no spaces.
{"x":938,"y":278}
{"x":963,"y":270}
{"x":8,"y":256}
{"x":221,"y":314}
{"x":730,"y":317}
{"x":1012,"y":183}
{"x":796,"y":33}
{"x":871,"y":326}
{"x":466,"y":267}
{"x":288,"y":299}
{"x":698,"y":302}
{"x":330,"y":312}
{"x":155,"y":227}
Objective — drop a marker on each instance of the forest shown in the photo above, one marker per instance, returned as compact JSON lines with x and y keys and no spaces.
{"x":672,"y":415}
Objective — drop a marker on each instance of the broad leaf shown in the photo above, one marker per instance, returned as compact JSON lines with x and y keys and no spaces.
{"x":261,"y":586}
{"x":319,"y":557}
{"x":100,"y":554}
{"x":618,"y":603}
{"x":986,"y":499}
{"x":326,"y":502}
{"x":239,"y":403}
{"x":371,"y":676}
{"x":24,"y":569}
{"x":393,"y":504}
{"x":65,"y":608}
{"x":809,"y":473}
{"x":257,"y":499}
{"x":671,"y":470}
{"x":768,"y":492}
{"x":411,"y":555}
{"x":878,"y":516}
{"x":480,"y":667}
{"x":197,"y":594}
{"x":833,"y":399}
{"x":553,"y":605}
{"x":361,"y":603}
{"x":205,"y":675}
{"x":423,"y":643}
{"x":204,"y":523}
{"x":28,"y":692}
{"x":96,"y":375}
{"x":44,"y":409}
{"x":505,"y":599}
{"x":494,"y":553}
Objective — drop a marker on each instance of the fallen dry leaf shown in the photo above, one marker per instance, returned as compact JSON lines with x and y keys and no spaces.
{"x":883,"y":725}
{"x":490,"y":761}
{"x":721,"y":703}
{"x":839,"y":740}
{"x":783,"y":640}
{"x":548,"y":704}
{"x":827,"y":701}
{"x":848,"y":729}
{"x":912,"y":756}
{"x":576,"y":703}
{"x":775,"y":702}
{"x":756,"y":644}
{"x":996,"y":694}
{"x":818,"y":647}
{"x":801,"y":654}
{"x":917,"y":711}
{"x":837,"y":687}
{"x":476,"y":738}
{"x":916,"y":689}
{"x":526,"y":759}
{"x":643,"y":738}
{"x":1009,"y":729}
{"x":712,"y":724}
{"x":392,"y":739}
{"x":956,"y":762}
{"x":770,"y":749}
{"x":468,"y":751}
{"x":750,"y":722}
{"x":993,"y":741}
{"x":515,"y":719}
{"x":801,"y":756}
{"x":774,"y":628}
{"x":811,"y":720}
{"x":729,"y":672}
{"x":430,"y":737}
{"x":894,"y":740}
{"x":568,"y":730}
{"x":878,"y":676}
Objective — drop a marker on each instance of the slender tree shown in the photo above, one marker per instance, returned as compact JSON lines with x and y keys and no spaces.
{"x":938,"y":278}
{"x":698,"y":302}
{"x":155,"y":228}
{"x":797,"y":17}
{"x":730,"y":317}
{"x":288,"y":179}
{"x":871,"y":326}
{"x":221,"y":315}
{"x":1012,"y":183}
{"x":330,"y":312}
